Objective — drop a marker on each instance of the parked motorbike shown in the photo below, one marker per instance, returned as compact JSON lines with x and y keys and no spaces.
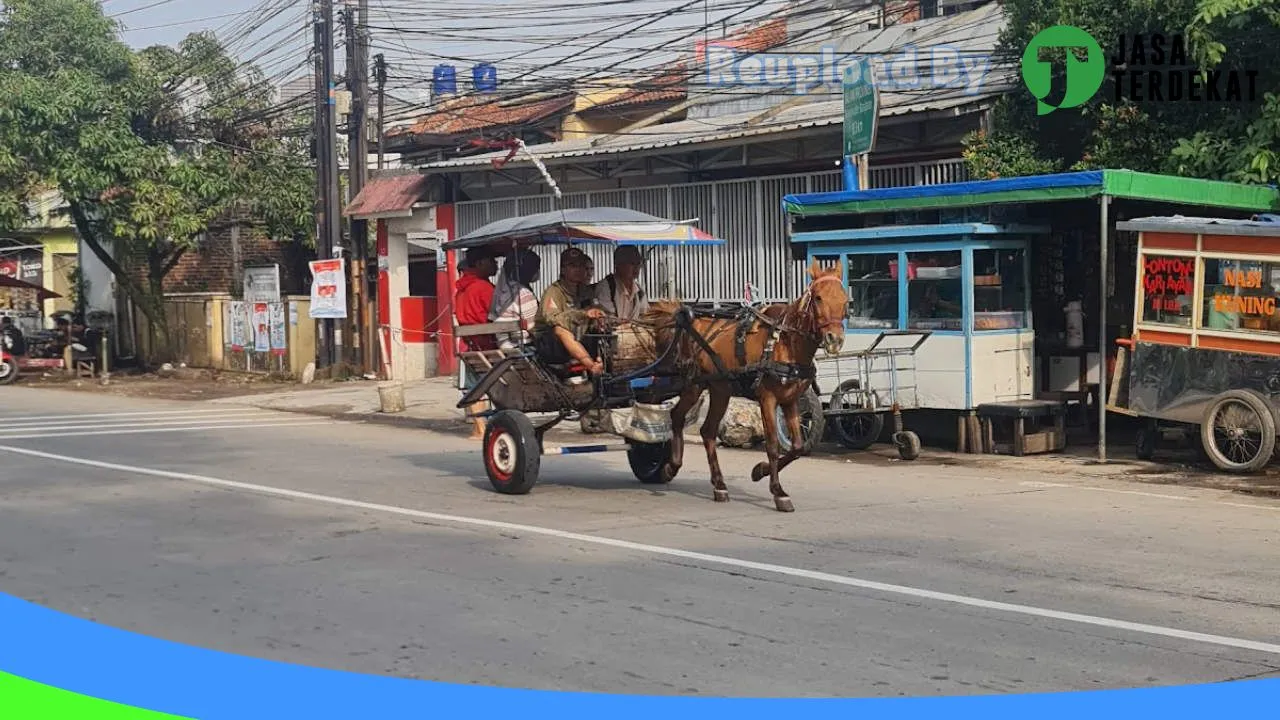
{"x":8,"y":367}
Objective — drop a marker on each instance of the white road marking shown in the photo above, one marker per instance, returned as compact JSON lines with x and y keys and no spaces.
{"x":193,"y":428}
{"x":146,"y":422}
{"x":84,"y":416}
{"x":843,"y":580}
{"x":1034,"y":483}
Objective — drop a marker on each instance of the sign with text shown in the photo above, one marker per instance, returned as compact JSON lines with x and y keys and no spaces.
{"x":1245,"y":279}
{"x":861,"y":107}
{"x":1165,"y":279}
{"x":328,"y":288}
{"x":262,"y":284}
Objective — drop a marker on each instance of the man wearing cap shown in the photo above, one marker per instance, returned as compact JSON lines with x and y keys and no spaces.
{"x":471,"y":300}
{"x":619,"y":293}
{"x":560,"y":314}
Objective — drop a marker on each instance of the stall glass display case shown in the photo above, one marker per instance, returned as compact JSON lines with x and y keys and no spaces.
{"x":967,"y":283}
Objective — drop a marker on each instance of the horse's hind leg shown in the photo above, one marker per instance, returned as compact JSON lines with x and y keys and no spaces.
{"x":679,"y":416}
{"x":718,"y":402}
{"x":769,"y":414}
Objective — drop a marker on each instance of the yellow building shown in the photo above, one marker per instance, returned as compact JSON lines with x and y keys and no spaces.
{"x":44,"y":253}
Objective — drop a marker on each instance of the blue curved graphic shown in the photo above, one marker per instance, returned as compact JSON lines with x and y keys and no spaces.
{"x":103,"y":662}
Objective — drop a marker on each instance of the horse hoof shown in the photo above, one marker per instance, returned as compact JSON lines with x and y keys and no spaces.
{"x":720,"y":495}
{"x":784,"y":504}
{"x":759,"y":471}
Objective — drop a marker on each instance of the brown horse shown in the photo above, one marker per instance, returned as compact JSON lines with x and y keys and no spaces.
{"x":776,"y":348}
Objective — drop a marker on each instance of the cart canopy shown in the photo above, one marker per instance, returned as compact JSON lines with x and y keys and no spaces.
{"x":602,"y":225}
{"x":1261,"y":226}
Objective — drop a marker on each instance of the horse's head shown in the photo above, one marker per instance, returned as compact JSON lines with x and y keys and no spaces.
{"x":828,"y":303}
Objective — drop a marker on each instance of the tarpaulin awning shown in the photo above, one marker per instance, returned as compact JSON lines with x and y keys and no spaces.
{"x":601,"y":225}
{"x":42,"y":293}
{"x":1126,"y":184}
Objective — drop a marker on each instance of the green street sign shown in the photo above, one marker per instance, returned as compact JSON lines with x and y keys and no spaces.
{"x":861,"y":107}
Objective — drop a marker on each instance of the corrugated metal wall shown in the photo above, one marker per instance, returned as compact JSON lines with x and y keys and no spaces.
{"x":746,"y":213}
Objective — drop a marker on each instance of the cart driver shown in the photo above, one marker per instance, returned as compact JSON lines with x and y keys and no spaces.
{"x":561,"y":317}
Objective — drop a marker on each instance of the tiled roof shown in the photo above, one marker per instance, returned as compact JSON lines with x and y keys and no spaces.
{"x":671,"y":86}
{"x":395,"y":195}
{"x":468,"y":115}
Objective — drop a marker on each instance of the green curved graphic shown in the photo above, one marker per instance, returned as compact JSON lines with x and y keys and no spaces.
{"x":22,"y":699}
{"x":1083,"y":77}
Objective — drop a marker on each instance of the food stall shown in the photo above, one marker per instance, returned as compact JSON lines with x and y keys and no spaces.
{"x":1205,"y":351}
{"x":1080,"y":271}
{"x":966,"y":282}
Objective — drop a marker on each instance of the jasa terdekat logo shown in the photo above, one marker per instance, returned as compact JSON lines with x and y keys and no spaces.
{"x":1145,"y":68}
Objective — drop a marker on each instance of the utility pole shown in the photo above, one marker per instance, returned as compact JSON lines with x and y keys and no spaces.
{"x":354,"y":17}
{"x":329,"y":237}
{"x":380,"y":75}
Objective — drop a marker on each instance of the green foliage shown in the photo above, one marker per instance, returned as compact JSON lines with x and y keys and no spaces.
{"x":148,"y":148}
{"x":1211,"y":140}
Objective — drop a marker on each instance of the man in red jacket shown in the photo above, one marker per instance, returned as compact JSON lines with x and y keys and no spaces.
{"x":471,"y":300}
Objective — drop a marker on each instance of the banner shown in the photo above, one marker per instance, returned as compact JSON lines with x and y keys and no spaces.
{"x":9,"y":267}
{"x":328,"y":288}
{"x":279,"y":334}
{"x":239,"y":325}
{"x":261,"y":328}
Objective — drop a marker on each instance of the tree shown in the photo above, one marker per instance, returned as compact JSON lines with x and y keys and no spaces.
{"x":1210,"y":140}
{"x":147,"y":148}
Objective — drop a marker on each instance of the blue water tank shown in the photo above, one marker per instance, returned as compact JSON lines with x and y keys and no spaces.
{"x":484,"y":77}
{"x":444,"y":80}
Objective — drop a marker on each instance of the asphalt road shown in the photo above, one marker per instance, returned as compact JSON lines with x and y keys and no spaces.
{"x":383,"y":550}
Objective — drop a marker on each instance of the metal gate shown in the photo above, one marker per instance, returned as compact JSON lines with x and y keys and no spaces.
{"x":746,"y":213}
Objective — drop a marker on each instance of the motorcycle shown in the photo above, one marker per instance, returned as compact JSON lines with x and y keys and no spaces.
{"x":8,"y":367}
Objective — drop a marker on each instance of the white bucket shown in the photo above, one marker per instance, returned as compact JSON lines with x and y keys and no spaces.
{"x":391,"y":396}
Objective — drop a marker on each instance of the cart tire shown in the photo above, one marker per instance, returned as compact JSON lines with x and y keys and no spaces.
{"x":908,"y":444}
{"x":8,"y":371}
{"x":1221,"y":426}
{"x":856,"y":432}
{"x":812,"y":423}
{"x":1148,"y":437}
{"x":512,"y":453}
{"x":647,"y":459}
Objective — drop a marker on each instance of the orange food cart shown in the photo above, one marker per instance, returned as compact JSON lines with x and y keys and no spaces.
{"x":1205,"y":350}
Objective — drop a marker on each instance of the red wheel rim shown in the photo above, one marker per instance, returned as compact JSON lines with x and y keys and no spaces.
{"x":498,"y":443}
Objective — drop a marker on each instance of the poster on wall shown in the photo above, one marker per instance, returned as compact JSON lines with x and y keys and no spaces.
{"x":261,"y":328}
{"x":262,"y":284}
{"x":239,"y":325}
{"x":279,"y":338}
{"x":328,"y":288}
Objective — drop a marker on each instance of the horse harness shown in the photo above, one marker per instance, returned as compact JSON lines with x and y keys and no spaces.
{"x":747,"y":378}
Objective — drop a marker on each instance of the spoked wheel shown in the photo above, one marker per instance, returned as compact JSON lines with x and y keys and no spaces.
{"x":908,"y":444}
{"x":856,"y":432}
{"x":1239,"y":432}
{"x":812,"y":423}
{"x":647,"y":459}
{"x":8,"y":370}
{"x":512,"y":453}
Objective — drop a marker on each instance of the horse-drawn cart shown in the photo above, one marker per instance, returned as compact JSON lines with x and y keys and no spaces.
{"x":673,"y":353}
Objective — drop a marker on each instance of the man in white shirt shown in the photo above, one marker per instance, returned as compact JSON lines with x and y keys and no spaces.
{"x":619,"y":294}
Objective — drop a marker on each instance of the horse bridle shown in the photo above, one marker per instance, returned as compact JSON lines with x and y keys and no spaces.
{"x":822,"y":321}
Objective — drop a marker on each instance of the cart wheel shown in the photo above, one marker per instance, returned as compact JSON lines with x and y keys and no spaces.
{"x":856,"y":432}
{"x":908,"y":444}
{"x":1239,"y":432}
{"x":512,"y":453}
{"x":647,"y":459}
{"x":812,"y":423}
{"x":8,"y":370}
{"x":1147,"y":438}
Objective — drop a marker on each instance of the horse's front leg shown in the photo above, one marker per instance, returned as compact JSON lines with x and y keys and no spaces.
{"x":769,"y":414}
{"x":717,"y":404}
{"x":679,"y":416}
